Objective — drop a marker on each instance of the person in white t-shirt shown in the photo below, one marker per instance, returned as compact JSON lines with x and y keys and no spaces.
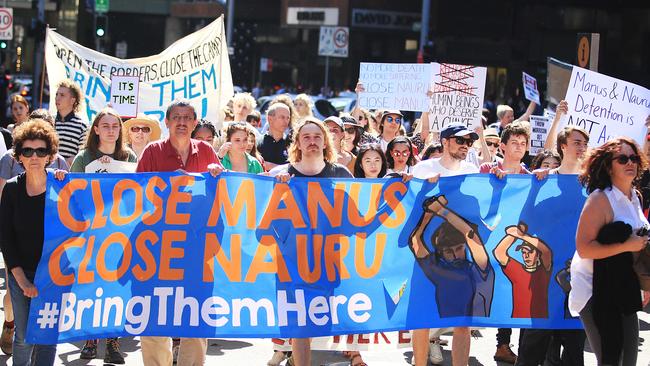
{"x":456,"y":140}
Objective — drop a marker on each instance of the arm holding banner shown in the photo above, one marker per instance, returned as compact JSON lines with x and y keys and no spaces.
{"x":486,"y":157}
{"x":357,"y":89}
{"x":596,"y":213}
{"x":562,"y":109}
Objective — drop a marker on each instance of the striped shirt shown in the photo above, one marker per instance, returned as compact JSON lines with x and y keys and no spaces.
{"x":72,"y":134}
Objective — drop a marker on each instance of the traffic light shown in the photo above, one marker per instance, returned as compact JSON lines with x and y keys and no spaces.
{"x":100,"y":26}
{"x":3,"y":45}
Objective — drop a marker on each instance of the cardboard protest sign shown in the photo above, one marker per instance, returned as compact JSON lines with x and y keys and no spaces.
{"x":458,"y":92}
{"x":530,"y":88}
{"x":395,"y":86}
{"x":124,"y":95}
{"x":606,"y":107}
{"x":195,"y":67}
{"x":558,"y":74}
{"x":539,"y":126}
{"x":113,"y":166}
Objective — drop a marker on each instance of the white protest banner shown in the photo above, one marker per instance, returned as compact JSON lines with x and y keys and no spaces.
{"x":539,"y":126}
{"x":124,"y":95}
{"x":458,"y":92}
{"x":195,"y":67}
{"x":112,"y":166}
{"x":395,"y":86}
{"x":530,"y":88}
{"x":606,"y":107}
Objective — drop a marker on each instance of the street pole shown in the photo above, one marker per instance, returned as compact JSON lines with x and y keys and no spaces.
{"x":230,"y":21}
{"x":424,"y":28}
{"x":39,"y":56}
{"x":327,"y":76}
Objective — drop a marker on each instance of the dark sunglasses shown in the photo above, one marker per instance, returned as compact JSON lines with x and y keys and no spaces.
{"x":144,"y":129}
{"x":351,"y":130}
{"x":463,"y":141}
{"x":623,"y":159}
{"x":360,"y":118}
{"x":396,"y":154}
{"x":495,"y":144}
{"x":41,"y":152}
{"x":393,"y":120}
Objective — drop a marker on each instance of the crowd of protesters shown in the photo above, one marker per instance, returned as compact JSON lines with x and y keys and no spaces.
{"x":360,"y":144}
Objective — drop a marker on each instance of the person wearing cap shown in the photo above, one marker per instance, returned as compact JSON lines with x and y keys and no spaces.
{"x":140,"y":131}
{"x":530,"y":277}
{"x":456,"y":140}
{"x":492,"y":140}
{"x":469,"y":277}
{"x":336,"y":127}
{"x":389,"y":126}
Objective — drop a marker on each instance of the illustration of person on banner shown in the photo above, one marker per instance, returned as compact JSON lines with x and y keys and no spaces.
{"x":530,"y":277}
{"x":448,"y":267}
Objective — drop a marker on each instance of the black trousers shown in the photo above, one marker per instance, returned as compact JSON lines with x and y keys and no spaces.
{"x":534,"y":346}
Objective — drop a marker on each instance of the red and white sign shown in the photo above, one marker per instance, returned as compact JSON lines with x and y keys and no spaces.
{"x":6,"y":23}
{"x":333,"y":41}
{"x":530,"y":88}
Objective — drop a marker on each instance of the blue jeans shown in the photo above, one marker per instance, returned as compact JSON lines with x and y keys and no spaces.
{"x":25,"y":354}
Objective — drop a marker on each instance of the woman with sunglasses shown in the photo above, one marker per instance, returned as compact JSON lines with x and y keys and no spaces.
{"x":21,"y":240}
{"x":139,"y":132}
{"x":605,"y":289}
{"x":399,"y":156}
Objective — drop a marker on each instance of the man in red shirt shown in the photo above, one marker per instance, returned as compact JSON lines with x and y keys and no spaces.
{"x":177,"y":152}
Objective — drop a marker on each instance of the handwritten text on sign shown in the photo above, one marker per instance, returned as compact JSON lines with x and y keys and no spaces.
{"x":395,"y":86}
{"x":124,"y":95}
{"x":606,"y":107}
{"x":457,"y":95}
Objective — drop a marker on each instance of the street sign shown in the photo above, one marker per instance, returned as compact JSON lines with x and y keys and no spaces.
{"x":333,"y":41}
{"x":587,"y":50}
{"x":6,"y":23}
{"x":101,"y":6}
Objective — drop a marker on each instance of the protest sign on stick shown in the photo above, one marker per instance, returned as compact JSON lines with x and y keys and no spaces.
{"x":395,"y":86}
{"x":530,"y":88}
{"x":458,"y":92}
{"x":124,"y":95}
{"x":606,"y":107}
{"x":539,"y":126}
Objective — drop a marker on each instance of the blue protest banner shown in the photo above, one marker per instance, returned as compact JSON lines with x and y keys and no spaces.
{"x":241,"y":255}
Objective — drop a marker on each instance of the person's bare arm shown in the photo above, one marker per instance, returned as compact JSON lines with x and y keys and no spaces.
{"x":561,"y":110}
{"x":486,"y":157}
{"x":596,"y":213}
{"x":528,"y":113}
{"x":424,"y":122}
{"x":358,"y":89}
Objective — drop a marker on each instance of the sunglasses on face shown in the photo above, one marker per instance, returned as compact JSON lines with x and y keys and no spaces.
{"x":623,"y":159}
{"x":494,"y":144}
{"x":463,"y":141}
{"x":351,"y":130}
{"x":41,"y":152}
{"x":403,"y":153}
{"x":390,"y":119}
{"x":359,"y":118}
{"x":137,"y":129}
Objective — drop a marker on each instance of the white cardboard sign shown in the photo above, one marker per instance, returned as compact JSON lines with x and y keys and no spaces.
{"x":395,"y":86}
{"x":606,"y":107}
{"x":113,"y":166}
{"x":124,"y":95}
{"x":539,"y":126}
{"x":530,"y":88}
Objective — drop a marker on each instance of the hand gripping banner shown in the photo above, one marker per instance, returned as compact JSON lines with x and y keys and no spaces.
{"x":195,"y":67}
{"x":241,"y":255}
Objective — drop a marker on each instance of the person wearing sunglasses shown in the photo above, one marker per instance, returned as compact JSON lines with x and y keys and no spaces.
{"x":605,"y":289}
{"x":336,"y":128}
{"x":456,"y":140}
{"x":35,"y":146}
{"x":492,"y":140}
{"x":389,"y":125}
{"x":399,"y":156}
{"x":140,"y":131}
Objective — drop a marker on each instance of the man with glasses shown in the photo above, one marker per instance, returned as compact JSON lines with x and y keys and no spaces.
{"x":177,"y":152}
{"x":456,"y":141}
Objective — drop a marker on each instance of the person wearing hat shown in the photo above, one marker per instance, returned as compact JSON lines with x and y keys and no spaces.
{"x":140,"y":131}
{"x":336,"y":128}
{"x":389,"y":125}
{"x":456,"y":140}
{"x":492,"y":140}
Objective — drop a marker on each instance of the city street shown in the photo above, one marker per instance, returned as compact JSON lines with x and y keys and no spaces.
{"x":258,"y":351}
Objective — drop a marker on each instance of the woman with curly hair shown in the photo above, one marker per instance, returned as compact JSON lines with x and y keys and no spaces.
{"x":35,"y":146}
{"x":605,"y":290}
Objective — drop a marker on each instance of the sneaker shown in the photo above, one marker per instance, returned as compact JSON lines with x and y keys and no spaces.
{"x":113,"y":354}
{"x":435,"y":353}
{"x":505,"y":354}
{"x":277,"y":358}
{"x":7,"y":339}
{"x":89,"y":351}
{"x":176,"y":345}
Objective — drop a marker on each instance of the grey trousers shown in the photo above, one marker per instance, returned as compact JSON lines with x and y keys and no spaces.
{"x":630,"y":337}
